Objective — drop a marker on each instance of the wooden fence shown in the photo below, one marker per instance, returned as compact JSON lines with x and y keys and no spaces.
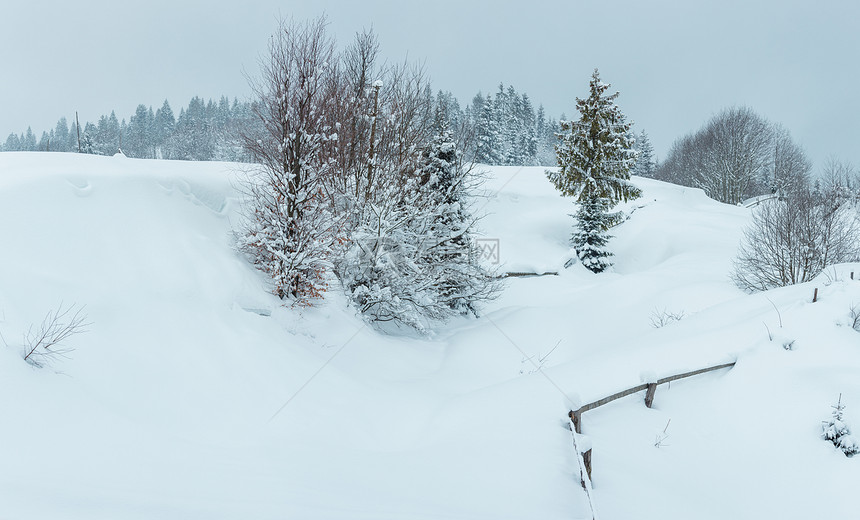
{"x":650,"y":390}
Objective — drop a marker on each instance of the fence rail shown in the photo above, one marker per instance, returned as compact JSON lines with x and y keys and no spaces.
{"x":650,"y":391}
{"x":517,"y":274}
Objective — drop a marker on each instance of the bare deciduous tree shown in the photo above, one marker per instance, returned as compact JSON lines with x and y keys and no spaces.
{"x":790,"y":166}
{"x":840,"y":179}
{"x":346,"y":183}
{"x":736,"y":155}
{"x":289,"y":230}
{"x":793,"y":240}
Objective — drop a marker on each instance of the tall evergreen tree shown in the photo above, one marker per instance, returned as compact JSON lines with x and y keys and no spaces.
{"x":449,"y":252}
{"x":595,"y":156}
{"x":511,"y":116}
{"x":106,"y":139}
{"x":45,"y":142}
{"x":139,"y":134}
{"x":13,"y":143}
{"x":60,"y":142}
{"x":87,"y":140}
{"x":528,"y":141}
{"x":162,"y":129}
{"x":646,"y":164}
{"x":28,"y":141}
{"x":486,"y":134}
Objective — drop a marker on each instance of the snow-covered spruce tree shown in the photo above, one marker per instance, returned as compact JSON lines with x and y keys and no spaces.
{"x":289,"y":231}
{"x":449,"y":251}
{"x":528,"y":138}
{"x":590,"y":236}
{"x":595,"y":156}
{"x":836,"y":431}
{"x":645,"y":162}
{"x":87,"y":144}
{"x":409,"y":258}
{"x":486,"y":134}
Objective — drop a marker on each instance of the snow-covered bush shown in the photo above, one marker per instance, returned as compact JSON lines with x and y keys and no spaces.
{"x":289,"y":230}
{"x":412,"y":259}
{"x":353,"y":182}
{"x":793,"y":240}
{"x":836,"y":431}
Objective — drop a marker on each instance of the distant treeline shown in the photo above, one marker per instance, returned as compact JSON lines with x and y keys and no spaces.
{"x":509,"y":131}
{"x":204,"y":131}
{"x":504,"y":129}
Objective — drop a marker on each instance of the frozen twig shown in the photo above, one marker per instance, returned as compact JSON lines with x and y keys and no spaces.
{"x":661,"y":437}
{"x":777,"y":312}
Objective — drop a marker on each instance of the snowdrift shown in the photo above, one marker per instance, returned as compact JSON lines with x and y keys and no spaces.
{"x":195,"y":394}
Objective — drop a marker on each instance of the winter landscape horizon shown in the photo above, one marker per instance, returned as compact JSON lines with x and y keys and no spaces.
{"x":356,"y":293}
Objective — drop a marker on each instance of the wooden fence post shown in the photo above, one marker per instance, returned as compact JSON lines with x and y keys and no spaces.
{"x":576,"y":417}
{"x":586,"y":458}
{"x":649,"y":394}
{"x":815,"y":295}
{"x":650,"y":390}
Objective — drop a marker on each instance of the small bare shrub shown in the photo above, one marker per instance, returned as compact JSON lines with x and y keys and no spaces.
{"x":793,"y":240}
{"x":44,"y":342}
{"x":662,"y":318}
{"x":854,"y":314}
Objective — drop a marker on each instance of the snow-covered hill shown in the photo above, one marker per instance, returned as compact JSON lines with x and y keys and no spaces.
{"x":196,"y":395}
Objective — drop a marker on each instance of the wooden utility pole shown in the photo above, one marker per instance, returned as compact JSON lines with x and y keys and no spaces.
{"x":78,"y":127}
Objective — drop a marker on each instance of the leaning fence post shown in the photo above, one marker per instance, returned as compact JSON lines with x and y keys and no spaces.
{"x":815,"y":295}
{"x":649,"y":394}
{"x":576,"y":417}
{"x":586,"y":458}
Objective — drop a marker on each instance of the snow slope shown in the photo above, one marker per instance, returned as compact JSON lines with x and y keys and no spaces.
{"x":196,"y":395}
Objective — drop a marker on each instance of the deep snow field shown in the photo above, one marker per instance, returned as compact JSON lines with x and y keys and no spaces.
{"x":169,"y":406}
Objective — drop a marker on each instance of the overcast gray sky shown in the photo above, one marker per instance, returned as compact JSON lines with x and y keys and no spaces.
{"x":676,"y":63}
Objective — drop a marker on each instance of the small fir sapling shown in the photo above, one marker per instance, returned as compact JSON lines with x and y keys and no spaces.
{"x":836,"y":431}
